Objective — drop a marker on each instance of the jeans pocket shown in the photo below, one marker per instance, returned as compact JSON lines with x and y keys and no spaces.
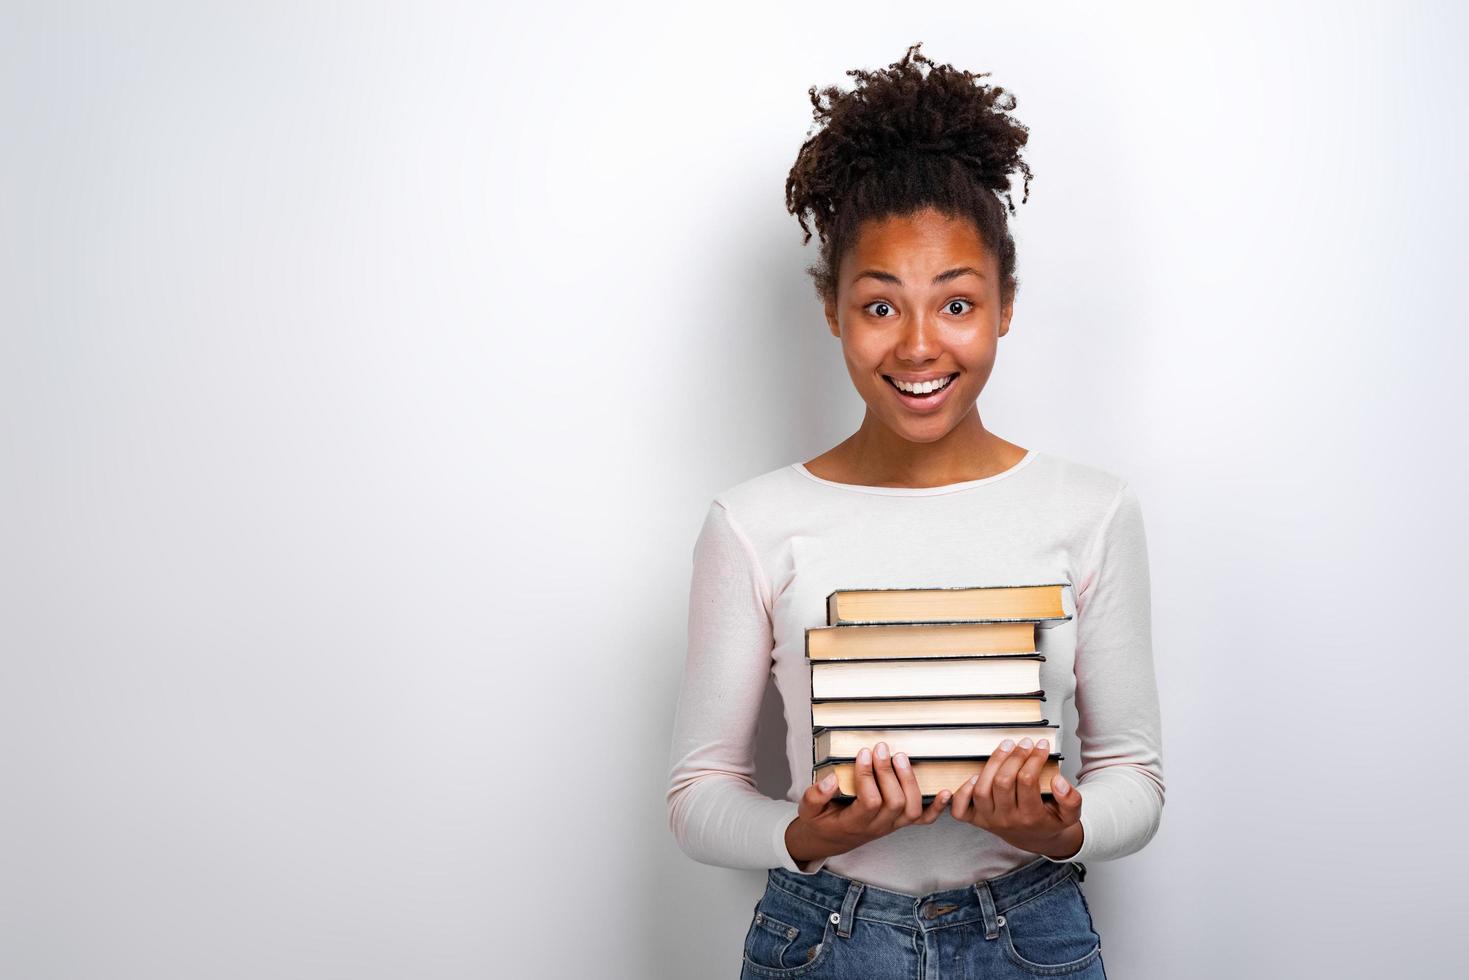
{"x":1051,"y":934}
{"x":788,"y":937}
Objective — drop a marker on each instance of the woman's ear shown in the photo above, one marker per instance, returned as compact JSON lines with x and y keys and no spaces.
{"x":1005,"y":314}
{"x":830,"y":306}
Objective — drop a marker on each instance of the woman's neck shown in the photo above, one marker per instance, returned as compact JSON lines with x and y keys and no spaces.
{"x":876,"y":456}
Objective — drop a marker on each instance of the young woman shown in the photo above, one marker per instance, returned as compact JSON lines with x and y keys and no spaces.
{"x":917,"y":276}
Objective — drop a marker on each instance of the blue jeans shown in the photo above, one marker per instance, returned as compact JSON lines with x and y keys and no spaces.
{"x":1029,"y":922}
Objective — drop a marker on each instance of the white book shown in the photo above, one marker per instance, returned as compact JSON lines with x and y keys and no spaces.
{"x":937,"y":677}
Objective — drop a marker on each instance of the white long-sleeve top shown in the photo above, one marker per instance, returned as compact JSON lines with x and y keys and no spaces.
{"x":772,"y":549}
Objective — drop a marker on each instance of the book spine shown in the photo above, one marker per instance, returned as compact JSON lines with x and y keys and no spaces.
{"x":811,"y":710}
{"x":981,"y":759}
{"x":1043,"y":723}
{"x":1032,"y":696}
{"x":904,"y":660}
{"x":949,"y":622}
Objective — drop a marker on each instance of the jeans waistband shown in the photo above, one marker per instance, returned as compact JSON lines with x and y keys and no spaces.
{"x":987,"y":899}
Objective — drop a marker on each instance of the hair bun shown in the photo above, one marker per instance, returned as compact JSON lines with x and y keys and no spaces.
{"x":903,"y":137}
{"x":900,"y":112}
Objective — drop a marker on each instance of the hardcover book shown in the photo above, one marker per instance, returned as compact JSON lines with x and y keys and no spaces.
{"x":858,"y":641}
{"x":928,"y":741}
{"x":933,"y":775}
{"x":994,"y":603}
{"x":927,"y":676}
{"x":963,"y":709}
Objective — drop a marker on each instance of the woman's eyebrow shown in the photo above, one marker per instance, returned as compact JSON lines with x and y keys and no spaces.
{"x":945,"y":276}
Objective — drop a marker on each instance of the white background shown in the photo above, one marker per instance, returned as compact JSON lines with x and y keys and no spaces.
{"x":366,"y":371}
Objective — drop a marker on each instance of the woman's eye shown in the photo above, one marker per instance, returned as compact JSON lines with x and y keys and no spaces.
{"x":955,"y":302}
{"x":877,"y":306}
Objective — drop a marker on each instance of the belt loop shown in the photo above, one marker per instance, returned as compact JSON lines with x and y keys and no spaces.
{"x":987,"y":903}
{"x":1080,"y":871}
{"x":849,"y":909}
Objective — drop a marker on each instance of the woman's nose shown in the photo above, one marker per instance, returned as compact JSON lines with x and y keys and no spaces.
{"x":919,"y":341}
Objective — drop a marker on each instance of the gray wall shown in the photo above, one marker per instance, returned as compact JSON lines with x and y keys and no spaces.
{"x":365,"y":371}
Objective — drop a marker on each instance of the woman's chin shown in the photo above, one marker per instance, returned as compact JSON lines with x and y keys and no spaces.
{"x":929,"y":429}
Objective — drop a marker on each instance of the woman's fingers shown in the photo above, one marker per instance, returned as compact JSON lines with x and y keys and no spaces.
{"x":1068,"y":803}
{"x":1005,"y":793}
{"x":816,"y":797}
{"x":984,"y":799}
{"x":936,"y":807}
{"x":1030,"y":809}
{"x":963,"y":800}
{"x":978,"y":807}
{"x":869,"y":796}
{"x":893,"y":800}
{"x":912,"y":795}
{"x":1002,"y":786}
{"x":887,"y":794}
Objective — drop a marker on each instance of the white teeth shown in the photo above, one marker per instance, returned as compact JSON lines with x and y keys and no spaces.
{"x":924,"y":387}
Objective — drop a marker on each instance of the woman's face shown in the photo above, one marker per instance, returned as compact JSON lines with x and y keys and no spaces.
{"x":918,"y":300}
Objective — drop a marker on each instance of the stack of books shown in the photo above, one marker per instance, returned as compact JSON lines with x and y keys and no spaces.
{"x":943,"y":675}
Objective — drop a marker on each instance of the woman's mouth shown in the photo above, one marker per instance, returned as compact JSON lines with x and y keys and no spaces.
{"x":924,"y":396}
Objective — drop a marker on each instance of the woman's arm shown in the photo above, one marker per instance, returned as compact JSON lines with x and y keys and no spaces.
{"x":1118,"y":722}
{"x":715,"y":811}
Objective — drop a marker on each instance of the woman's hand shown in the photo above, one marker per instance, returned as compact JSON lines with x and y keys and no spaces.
{"x":1005,"y":799}
{"x":887,"y":798}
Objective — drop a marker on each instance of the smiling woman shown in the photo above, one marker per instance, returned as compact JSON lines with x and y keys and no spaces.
{"x":916,"y":271}
{"x":926,"y":329}
{"x":917,"y":282}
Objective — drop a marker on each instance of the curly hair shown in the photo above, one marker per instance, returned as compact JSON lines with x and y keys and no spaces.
{"x":903,"y":140}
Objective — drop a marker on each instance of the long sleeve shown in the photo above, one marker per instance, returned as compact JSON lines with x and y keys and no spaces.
{"x":1118,"y":722}
{"x":715,"y":811}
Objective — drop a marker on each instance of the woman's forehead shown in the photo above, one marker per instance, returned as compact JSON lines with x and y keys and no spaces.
{"x":917,"y":249}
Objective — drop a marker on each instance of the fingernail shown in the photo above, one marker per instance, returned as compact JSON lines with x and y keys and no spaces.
{"x":828,"y":783}
{"x":1059,"y":786}
{"x":900,"y":760}
{"x":1043,"y":744}
{"x":864,"y":756}
{"x":973,"y":779}
{"x":1025,"y":743}
{"x":882,"y":750}
{"x":1007,"y":745}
